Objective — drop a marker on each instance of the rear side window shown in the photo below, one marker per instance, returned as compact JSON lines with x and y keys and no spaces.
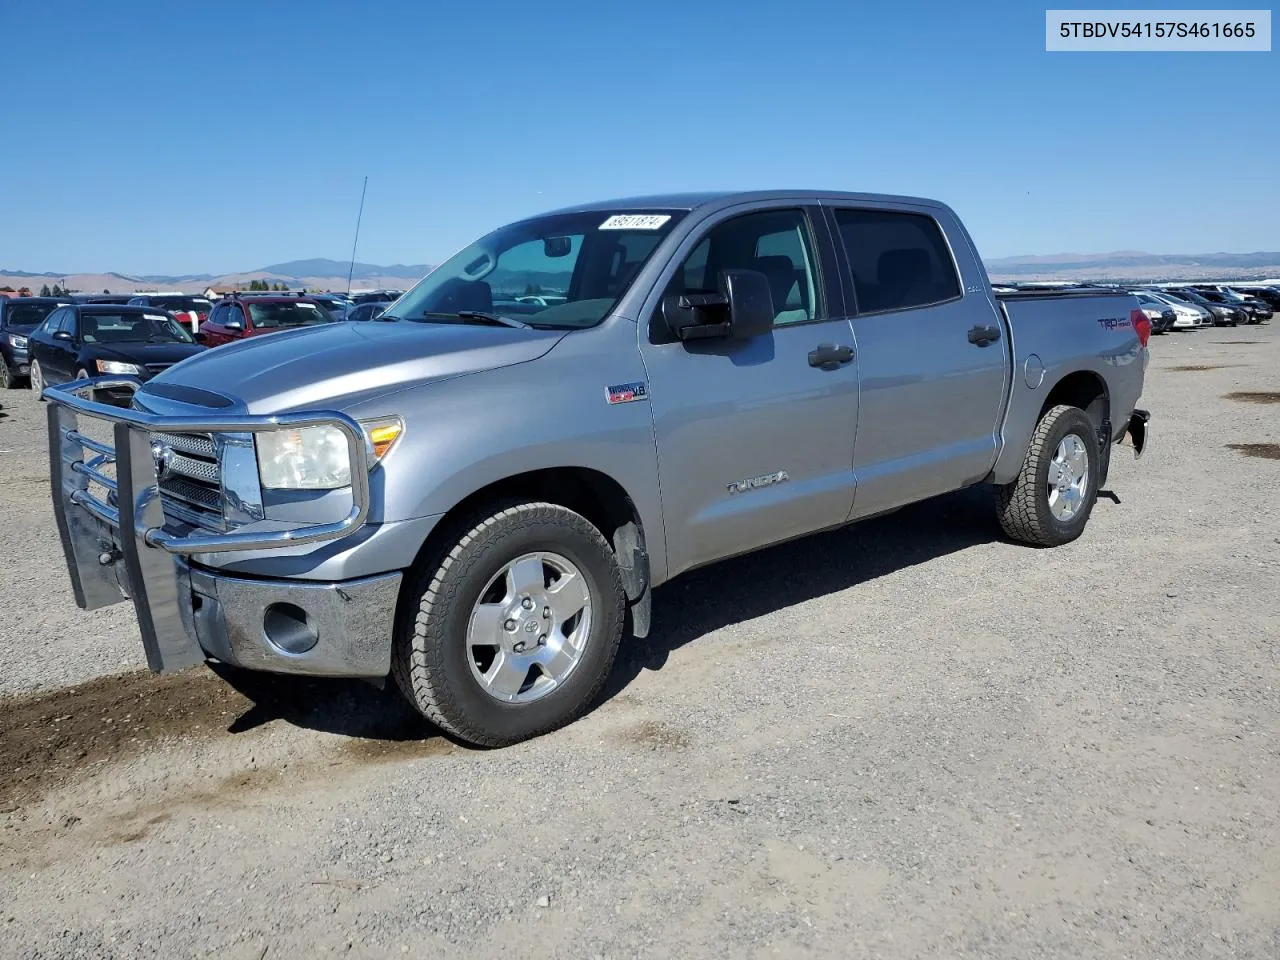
{"x":899,"y":260}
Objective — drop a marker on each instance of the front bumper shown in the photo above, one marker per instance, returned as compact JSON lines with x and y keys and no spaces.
{"x":290,"y":626}
{"x":117,"y":547}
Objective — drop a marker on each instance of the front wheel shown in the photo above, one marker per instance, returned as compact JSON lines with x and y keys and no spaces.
{"x":8,"y":379}
{"x":513,"y":631}
{"x":1049,"y":502}
{"x":37,"y":379}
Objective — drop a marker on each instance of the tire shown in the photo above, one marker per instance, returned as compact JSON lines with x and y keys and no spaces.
{"x":37,"y":379}
{"x":443,"y":674}
{"x":8,"y":379}
{"x":82,"y":374}
{"x":1024,"y":506}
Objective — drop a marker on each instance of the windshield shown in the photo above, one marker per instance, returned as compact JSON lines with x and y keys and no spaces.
{"x":292,"y":314}
{"x":564,"y":271}
{"x":27,"y":314}
{"x":131,"y":328}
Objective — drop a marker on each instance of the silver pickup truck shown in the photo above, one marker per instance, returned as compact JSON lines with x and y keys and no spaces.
{"x":476,"y":493}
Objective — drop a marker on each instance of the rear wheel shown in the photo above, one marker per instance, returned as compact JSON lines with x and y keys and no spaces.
{"x":1049,"y":503}
{"x":513,"y":631}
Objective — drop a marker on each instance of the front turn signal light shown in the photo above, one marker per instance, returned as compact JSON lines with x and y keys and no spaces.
{"x":381,"y":436}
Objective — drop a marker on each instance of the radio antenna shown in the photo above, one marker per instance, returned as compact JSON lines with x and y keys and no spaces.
{"x":359,"y":217}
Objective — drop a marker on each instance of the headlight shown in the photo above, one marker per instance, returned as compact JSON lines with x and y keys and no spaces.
{"x":17,"y":342}
{"x":315,"y":458}
{"x":115,"y":366}
{"x":310,"y":458}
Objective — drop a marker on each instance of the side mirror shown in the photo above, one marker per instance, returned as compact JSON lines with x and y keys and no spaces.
{"x":750,"y":302}
{"x":63,"y":335}
{"x":234,"y":325}
{"x":741,"y":310}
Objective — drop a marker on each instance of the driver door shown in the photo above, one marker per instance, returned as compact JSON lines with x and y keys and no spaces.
{"x":755,"y":438}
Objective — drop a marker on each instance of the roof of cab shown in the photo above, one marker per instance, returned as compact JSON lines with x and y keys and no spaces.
{"x":725,"y":198}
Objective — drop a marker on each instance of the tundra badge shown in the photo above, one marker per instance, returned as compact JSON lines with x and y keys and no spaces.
{"x":753,"y":483}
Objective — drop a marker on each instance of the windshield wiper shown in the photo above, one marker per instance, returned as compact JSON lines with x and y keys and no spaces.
{"x":482,"y":316}
{"x":492,"y":318}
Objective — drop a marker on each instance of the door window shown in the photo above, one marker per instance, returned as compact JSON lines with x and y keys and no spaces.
{"x":776,"y":243}
{"x":899,"y":260}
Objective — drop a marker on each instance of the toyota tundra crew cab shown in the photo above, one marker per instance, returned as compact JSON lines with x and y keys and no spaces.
{"x":476,"y":493}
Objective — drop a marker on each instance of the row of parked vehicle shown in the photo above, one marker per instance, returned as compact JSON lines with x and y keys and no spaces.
{"x":1187,"y":306}
{"x":1202,"y":305}
{"x":51,"y":340}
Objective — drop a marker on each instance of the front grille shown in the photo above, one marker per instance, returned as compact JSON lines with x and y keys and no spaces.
{"x":190,"y":481}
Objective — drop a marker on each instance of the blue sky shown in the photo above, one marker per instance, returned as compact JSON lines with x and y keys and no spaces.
{"x":165,"y":137}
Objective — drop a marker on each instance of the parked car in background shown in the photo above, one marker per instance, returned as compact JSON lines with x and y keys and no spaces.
{"x":1187,"y":316}
{"x":1259,"y":309}
{"x":19,"y":316}
{"x":187,"y":309}
{"x":1224,"y":314}
{"x":1252,"y":311}
{"x":77,"y":341}
{"x":377,"y":296}
{"x":370,"y":310}
{"x":1268,"y":295}
{"x":1160,"y":314}
{"x":236,"y":318}
{"x":336,"y":304}
{"x":120,"y":298}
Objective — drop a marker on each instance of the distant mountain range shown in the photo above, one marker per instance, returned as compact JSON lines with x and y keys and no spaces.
{"x":317,"y":273}
{"x":1135,"y":265}
{"x":324,"y":274}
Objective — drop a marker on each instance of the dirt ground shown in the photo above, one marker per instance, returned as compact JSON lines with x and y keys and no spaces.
{"x":909,"y":738}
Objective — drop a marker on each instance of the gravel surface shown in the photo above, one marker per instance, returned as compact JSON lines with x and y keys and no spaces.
{"x":905,"y":739}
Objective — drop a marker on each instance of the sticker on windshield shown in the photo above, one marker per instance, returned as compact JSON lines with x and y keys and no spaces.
{"x":635,"y":221}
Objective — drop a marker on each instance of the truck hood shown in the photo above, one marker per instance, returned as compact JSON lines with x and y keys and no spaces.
{"x":314,"y":366}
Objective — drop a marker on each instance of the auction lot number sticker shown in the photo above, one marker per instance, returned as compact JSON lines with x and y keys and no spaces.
{"x":1156,"y":30}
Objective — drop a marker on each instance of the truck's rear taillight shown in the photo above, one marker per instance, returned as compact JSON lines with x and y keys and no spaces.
{"x":1141,"y":324}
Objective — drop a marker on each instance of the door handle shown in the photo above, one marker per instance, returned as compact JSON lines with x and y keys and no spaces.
{"x":984,"y":335}
{"x":828,"y":356}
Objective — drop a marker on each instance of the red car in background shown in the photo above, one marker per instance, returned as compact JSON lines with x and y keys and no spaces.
{"x":189,"y":311}
{"x":238,"y":317}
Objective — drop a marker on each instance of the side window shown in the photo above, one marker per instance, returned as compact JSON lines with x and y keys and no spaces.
{"x":899,"y":260}
{"x":776,"y":243}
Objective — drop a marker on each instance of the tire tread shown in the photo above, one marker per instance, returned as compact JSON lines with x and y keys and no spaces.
{"x":417,"y":663}
{"x":1017,"y":503}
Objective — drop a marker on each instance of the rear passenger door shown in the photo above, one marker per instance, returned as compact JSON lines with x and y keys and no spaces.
{"x":931,"y":398}
{"x":754,"y":439}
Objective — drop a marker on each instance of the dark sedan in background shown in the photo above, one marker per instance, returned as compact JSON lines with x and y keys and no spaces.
{"x":91,"y":340}
{"x":19,"y":316}
{"x":1224,"y":314}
